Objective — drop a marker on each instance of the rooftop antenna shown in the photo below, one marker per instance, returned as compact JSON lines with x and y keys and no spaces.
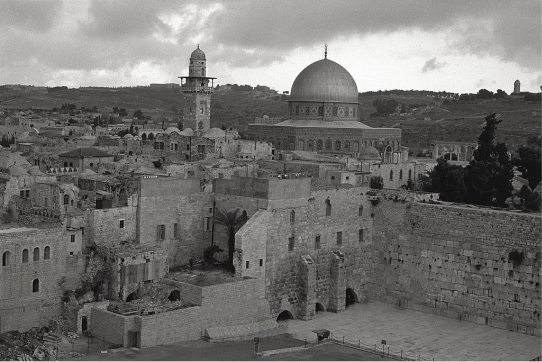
{"x":325,"y":52}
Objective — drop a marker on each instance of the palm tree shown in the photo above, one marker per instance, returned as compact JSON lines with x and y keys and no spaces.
{"x":232,"y":221}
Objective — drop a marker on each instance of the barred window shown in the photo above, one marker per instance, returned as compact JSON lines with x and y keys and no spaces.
{"x":339,"y":238}
{"x":161,"y":232}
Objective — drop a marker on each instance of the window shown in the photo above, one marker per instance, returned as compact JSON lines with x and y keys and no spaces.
{"x":328,"y":207}
{"x":71,"y":252}
{"x":338,"y":145}
{"x":92,"y":164}
{"x":360,"y":211}
{"x":21,"y":194}
{"x":72,"y":238}
{"x":317,"y":244}
{"x":391,"y":175}
{"x":400,"y":174}
{"x":292,"y":217}
{"x":36,"y":254}
{"x":45,"y":202}
{"x":291,"y":242}
{"x":261,"y":262}
{"x":247,"y":264}
{"x":410,"y":174}
{"x":35,"y":286}
{"x":360,"y":235}
{"x":82,"y":231}
{"x":66,"y":200}
{"x":206,"y":224}
{"x":175,"y":230}
{"x":5,"y":258}
{"x":25,"y":256}
{"x":121,"y":224}
{"x":339,"y":238}
{"x":27,"y":194}
{"x":47,"y":253}
{"x":161,"y":232}
{"x":210,"y":210}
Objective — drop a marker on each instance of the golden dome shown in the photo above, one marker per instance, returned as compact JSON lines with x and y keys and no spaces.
{"x":324,"y":81}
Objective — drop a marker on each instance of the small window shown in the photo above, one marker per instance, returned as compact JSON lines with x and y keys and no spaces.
{"x":36,"y":254}
{"x":391,"y":175}
{"x":206,"y":224}
{"x":291,"y":242}
{"x":45,"y":202}
{"x":339,"y":238}
{"x":317,"y":244}
{"x":21,"y":194}
{"x":261,"y":262}
{"x":66,"y":200}
{"x":292,"y":217}
{"x":400,"y":174}
{"x":27,"y":193}
{"x":72,"y":238}
{"x":161,"y":232}
{"x":35,"y":286}
{"x":121,"y":224}
{"x":25,"y":256}
{"x":6,"y":258}
{"x":360,"y":211}
{"x":92,"y":164}
{"x":71,"y":252}
{"x":360,"y":235}
{"x":247,"y":264}
{"x":82,"y":231}
{"x":210,"y":210}
{"x":328,"y":207}
{"x":175,"y":230}
{"x":47,"y":253}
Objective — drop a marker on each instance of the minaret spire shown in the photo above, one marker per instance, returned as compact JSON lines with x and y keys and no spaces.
{"x":325,"y":52}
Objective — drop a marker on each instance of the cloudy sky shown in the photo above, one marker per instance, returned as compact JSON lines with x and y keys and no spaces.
{"x":458,"y":46}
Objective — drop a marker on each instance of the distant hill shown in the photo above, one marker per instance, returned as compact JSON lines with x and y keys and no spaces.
{"x":436,"y":120}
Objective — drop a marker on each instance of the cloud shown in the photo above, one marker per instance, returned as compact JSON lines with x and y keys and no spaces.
{"x":432,"y":64}
{"x":33,"y":16}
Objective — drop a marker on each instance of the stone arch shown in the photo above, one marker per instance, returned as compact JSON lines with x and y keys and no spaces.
{"x":35,"y":285}
{"x":36,"y":254}
{"x":144,"y":137}
{"x":351,"y":297}
{"x":151,"y":136}
{"x":285,"y":315}
{"x":356,"y":146}
{"x":131,"y":296}
{"x":347,"y":145}
{"x":25,"y":256}
{"x":65,"y":164}
{"x":319,"y":308}
{"x":329,"y":145}
{"x":47,"y":253}
{"x":310,"y":145}
{"x":301,"y":145}
{"x":6,"y":258}
{"x":174,"y":296}
{"x":337,"y":145}
{"x":319,"y":145}
{"x":328,"y":207}
{"x":388,"y":154}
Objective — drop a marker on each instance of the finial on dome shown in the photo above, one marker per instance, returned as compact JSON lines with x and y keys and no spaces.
{"x":325,"y":52}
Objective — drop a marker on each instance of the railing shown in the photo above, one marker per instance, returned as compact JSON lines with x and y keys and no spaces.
{"x":373,"y":348}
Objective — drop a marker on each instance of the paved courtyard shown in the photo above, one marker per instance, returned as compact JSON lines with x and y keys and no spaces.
{"x":417,"y":333}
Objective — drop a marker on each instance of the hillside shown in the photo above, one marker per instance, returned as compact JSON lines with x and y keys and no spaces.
{"x":455,"y":121}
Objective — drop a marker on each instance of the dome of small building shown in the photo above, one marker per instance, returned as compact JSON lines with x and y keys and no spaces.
{"x":187,"y":132}
{"x":172,"y":129}
{"x":369,"y":153}
{"x":214,"y":133}
{"x":128,"y":135}
{"x":35,"y":171}
{"x":324,"y":81}
{"x":198,"y":54}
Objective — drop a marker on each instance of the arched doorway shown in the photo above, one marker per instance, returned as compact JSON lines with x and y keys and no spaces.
{"x":284,"y":316}
{"x":351,"y":297}
{"x":132,"y":296}
{"x":174,"y":296}
{"x":320,"y":308}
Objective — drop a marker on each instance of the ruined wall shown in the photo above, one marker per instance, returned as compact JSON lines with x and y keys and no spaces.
{"x":455,"y":261}
{"x":105,"y":224}
{"x":21,"y":306}
{"x":170,"y":201}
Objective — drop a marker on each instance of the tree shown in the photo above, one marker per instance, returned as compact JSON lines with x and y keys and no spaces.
{"x":500,"y":94}
{"x":484,"y":94}
{"x":232,"y":221}
{"x":529,"y":164}
{"x":138,"y":114}
{"x":489,"y":174}
{"x":385,"y":106}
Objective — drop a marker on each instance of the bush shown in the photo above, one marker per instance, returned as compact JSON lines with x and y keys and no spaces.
{"x":516,"y":257}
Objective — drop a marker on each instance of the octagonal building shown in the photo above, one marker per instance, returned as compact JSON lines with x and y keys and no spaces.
{"x":324,"y":117}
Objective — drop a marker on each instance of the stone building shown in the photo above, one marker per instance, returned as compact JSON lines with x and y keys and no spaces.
{"x":83,"y":158}
{"x":324,"y":116}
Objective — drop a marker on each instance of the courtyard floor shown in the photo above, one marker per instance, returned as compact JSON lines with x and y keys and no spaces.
{"x":416,"y":334}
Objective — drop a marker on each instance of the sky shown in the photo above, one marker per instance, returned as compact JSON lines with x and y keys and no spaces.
{"x":457,"y":46}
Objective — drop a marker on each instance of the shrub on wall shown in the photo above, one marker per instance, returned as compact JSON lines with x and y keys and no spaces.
{"x":516,"y":257}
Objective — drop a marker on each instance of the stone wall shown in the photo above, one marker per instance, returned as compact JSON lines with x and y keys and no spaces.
{"x":457,"y":261}
{"x":105,"y":224}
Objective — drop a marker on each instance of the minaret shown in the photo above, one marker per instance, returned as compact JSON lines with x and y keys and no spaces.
{"x":517,"y":86}
{"x":197,"y":109}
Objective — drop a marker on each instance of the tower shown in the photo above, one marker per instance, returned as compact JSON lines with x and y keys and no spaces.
{"x":517,"y":85}
{"x":197,"y":109}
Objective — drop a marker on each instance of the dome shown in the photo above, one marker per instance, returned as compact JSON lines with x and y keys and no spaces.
{"x":35,"y":171}
{"x":198,"y":54}
{"x":172,"y":129}
{"x":128,"y":135}
{"x":187,"y":132}
{"x":214,"y":133}
{"x":324,"y":81}
{"x":369,"y":153}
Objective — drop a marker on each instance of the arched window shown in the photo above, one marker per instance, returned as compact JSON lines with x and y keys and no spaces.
{"x":328,"y":207}
{"x":65,"y":164}
{"x":356,"y":146}
{"x":144,"y":137}
{"x":35,"y":285}
{"x":400,"y":174}
{"x":6,"y":258}
{"x":329,"y":145}
{"x":25,"y":256}
{"x":347,"y":145}
{"x":292,"y":217}
{"x":360,"y":210}
{"x":151,"y":136}
{"x":301,"y":145}
{"x":36,"y":254}
{"x":47,"y":253}
{"x":337,"y":145}
{"x":66,"y":200}
{"x":319,"y":145}
{"x":391,"y":175}
{"x":310,"y":145}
